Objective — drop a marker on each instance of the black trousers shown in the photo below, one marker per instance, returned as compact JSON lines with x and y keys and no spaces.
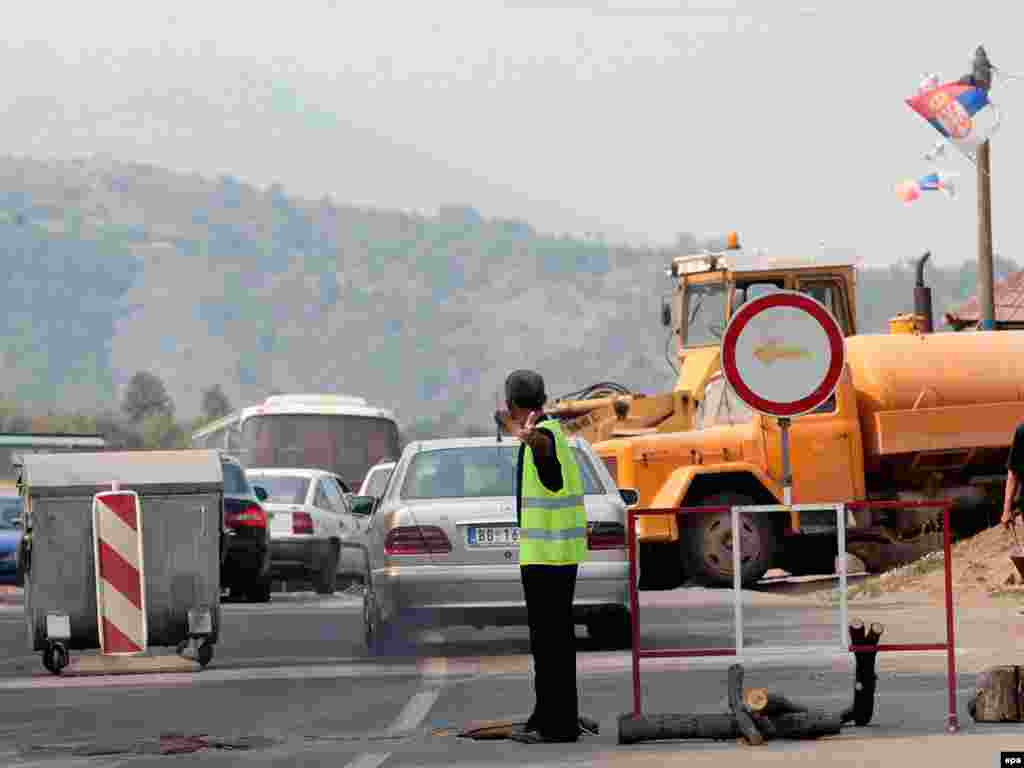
{"x":549,"y":593}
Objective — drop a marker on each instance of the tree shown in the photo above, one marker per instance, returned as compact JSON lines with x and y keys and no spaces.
{"x":145,"y":396}
{"x":160,"y":432}
{"x":215,"y":403}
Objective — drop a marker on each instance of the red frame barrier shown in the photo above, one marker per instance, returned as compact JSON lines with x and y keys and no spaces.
{"x":952,"y":724}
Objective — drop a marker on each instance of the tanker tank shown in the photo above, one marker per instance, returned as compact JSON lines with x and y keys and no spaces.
{"x":903,"y":371}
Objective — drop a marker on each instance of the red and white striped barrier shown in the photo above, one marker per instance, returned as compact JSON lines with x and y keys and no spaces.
{"x":120,"y":581}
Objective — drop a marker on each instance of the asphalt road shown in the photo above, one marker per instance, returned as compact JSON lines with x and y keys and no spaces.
{"x":290,"y":685}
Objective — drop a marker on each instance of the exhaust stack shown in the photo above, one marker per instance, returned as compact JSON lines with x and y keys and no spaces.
{"x":923,"y":296}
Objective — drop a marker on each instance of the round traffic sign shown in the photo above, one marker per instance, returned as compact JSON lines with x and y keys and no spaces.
{"x":783,"y":353}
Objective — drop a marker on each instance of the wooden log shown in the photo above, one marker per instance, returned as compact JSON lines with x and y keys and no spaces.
{"x":812,"y":724}
{"x":857,"y":632}
{"x":763,"y":702}
{"x":865,"y":679}
{"x":997,"y":699}
{"x":739,"y":709}
{"x":633,"y":729}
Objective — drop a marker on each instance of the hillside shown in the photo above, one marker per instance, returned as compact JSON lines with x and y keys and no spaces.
{"x":119,"y":267}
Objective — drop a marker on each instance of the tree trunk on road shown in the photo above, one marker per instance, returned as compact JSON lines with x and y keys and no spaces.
{"x":997,"y":698}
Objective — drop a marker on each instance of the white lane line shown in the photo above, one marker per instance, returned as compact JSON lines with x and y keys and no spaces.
{"x":413,"y":713}
{"x":211,"y":676}
{"x":368,"y":760}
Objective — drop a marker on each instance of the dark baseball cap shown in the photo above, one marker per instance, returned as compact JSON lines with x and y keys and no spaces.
{"x":525,"y":389}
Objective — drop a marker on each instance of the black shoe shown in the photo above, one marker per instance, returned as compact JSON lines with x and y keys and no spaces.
{"x":589,"y":725}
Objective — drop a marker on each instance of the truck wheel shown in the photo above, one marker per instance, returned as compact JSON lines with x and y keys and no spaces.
{"x":327,"y":576}
{"x":708,"y":540}
{"x":660,"y":566}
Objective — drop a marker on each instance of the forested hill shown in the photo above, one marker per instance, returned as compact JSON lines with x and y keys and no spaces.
{"x":115,"y":268}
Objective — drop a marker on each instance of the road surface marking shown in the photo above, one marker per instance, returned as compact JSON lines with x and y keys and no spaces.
{"x":434,"y":671}
{"x":414,"y":711}
{"x":368,"y":760}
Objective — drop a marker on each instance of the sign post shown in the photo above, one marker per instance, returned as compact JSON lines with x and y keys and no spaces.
{"x":783,"y":354}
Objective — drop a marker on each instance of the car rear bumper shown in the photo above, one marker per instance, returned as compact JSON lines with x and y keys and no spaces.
{"x":295,"y":556}
{"x":488,"y":594}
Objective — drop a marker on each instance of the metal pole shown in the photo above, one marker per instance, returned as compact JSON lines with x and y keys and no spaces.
{"x":737,"y":578}
{"x":844,"y":611}
{"x":952,"y":721}
{"x":986,"y":291}
{"x":634,"y":607}
{"x":787,"y":477}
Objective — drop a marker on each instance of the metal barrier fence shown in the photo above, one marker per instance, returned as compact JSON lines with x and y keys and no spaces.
{"x":841,"y":510}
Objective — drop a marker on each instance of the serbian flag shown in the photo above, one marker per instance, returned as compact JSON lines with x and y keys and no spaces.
{"x":952,"y":109}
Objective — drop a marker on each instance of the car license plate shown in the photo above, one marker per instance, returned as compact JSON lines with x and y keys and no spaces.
{"x":492,"y":535}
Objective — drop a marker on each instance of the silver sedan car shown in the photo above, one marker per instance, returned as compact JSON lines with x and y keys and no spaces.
{"x":444,"y":546}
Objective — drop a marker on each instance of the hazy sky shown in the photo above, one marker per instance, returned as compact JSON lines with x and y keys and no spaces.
{"x":784,"y":120}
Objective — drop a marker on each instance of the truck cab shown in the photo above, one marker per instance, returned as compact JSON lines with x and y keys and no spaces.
{"x":709,"y":289}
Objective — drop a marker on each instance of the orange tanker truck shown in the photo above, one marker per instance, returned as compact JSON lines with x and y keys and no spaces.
{"x":903,"y":424}
{"x":914,"y":416}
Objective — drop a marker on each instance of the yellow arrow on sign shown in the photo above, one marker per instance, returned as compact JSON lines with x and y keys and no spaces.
{"x":773,"y":351}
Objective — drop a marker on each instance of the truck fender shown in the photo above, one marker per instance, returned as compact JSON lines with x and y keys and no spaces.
{"x":675,"y":491}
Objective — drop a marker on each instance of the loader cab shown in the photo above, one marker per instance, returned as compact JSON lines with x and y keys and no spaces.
{"x":709,"y":290}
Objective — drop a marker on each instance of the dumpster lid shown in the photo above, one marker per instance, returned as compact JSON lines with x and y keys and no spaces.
{"x":129,"y":468}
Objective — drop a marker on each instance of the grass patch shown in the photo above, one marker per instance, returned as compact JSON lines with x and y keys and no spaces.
{"x":922,"y":567}
{"x":1008,"y":594}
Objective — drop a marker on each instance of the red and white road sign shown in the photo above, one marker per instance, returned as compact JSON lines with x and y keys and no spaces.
{"x":783,"y":353}
{"x":120,"y":580}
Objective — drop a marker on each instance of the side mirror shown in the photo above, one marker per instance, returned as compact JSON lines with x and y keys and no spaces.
{"x":629,"y":496}
{"x":363,"y":505}
{"x":666,"y":314}
{"x":260,"y":492}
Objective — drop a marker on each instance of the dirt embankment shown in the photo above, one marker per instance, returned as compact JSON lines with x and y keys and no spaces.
{"x":982,"y":569}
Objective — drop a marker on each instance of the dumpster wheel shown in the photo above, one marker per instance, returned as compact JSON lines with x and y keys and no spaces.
{"x":197,"y":649}
{"x":56,"y":657}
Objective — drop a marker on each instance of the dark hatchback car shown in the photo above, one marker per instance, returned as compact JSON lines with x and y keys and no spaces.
{"x":10,"y":538}
{"x":245,"y":547}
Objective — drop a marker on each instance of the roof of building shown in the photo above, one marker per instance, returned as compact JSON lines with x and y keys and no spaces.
{"x":1009,"y":304}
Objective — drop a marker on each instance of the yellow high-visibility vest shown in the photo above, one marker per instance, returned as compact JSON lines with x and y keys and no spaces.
{"x":553,"y":527}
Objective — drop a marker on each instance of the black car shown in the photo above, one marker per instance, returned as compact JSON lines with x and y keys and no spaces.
{"x":245,"y":547}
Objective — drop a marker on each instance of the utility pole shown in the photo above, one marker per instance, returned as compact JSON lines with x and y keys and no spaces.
{"x":986,"y":291}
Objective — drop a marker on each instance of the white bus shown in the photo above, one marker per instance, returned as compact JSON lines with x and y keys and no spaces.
{"x":337,"y":433}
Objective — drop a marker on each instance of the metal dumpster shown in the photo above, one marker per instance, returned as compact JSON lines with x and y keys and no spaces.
{"x":181,"y":498}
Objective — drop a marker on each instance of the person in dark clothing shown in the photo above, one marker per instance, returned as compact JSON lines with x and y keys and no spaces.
{"x":1014,"y":474}
{"x":547,"y":488}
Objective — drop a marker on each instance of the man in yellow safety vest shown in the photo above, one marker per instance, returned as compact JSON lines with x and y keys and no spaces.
{"x":552,"y":543}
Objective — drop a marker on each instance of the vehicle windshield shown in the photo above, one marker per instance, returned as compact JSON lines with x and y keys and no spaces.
{"x":345,"y":445}
{"x":705,"y":314}
{"x":10,"y":510}
{"x":282,"y":489}
{"x":721,"y":406}
{"x":377,"y":482}
{"x":465,"y":473}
